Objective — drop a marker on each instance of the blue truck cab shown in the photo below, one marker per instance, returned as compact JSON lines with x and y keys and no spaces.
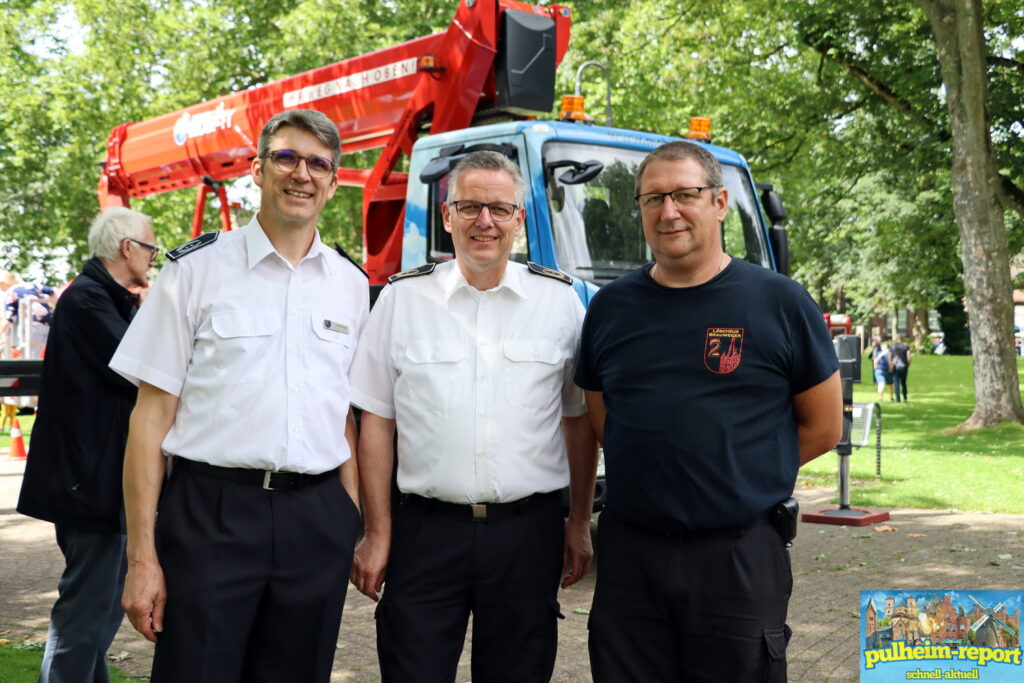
{"x":581,"y":217}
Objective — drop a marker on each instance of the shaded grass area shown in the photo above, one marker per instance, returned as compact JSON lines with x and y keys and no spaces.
{"x":20,"y":662}
{"x":925,"y":464}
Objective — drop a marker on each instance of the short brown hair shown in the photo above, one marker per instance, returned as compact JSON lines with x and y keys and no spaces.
{"x":679,"y":150}
{"x":486,"y":160}
{"x":309,"y":120}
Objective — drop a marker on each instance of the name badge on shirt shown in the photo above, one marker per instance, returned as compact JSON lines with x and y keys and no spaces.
{"x":335,"y":326}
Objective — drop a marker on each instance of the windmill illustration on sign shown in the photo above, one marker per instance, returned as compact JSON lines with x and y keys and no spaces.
{"x":987,"y":628}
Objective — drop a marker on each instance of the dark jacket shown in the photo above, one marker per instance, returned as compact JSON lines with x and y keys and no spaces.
{"x":73,"y":472}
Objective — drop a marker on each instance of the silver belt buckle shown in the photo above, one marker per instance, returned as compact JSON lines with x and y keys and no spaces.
{"x":479,"y":511}
{"x":266,"y":480}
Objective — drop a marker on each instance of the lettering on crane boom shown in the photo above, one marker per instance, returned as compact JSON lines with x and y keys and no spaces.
{"x":357,"y":81}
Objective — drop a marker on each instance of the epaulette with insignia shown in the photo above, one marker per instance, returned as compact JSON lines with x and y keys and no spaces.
{"x":425,"y":269}
{"x":206,"y":239}
{"x":337,"y":248}
{"x":538,"y":269}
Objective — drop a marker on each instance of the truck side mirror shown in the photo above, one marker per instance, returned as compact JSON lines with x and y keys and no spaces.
{"x":581,"y":173}
{"x":777,"y":234}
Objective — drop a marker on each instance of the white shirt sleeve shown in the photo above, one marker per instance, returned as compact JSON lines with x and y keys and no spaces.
{"x":372,"y":375}
{"x":157,"y":347}
{"x":573,"y":401}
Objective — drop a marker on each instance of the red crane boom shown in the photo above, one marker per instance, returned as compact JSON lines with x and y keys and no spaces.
{"x":380,"y":99}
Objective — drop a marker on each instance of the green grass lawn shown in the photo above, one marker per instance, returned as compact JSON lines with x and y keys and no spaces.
{"x":20,"y":661}
{"x":924,"y":464}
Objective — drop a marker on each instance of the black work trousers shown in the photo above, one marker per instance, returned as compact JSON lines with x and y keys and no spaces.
{"x":700,"y":609}
{"x":442,"y":568}
{"x":256,"y":579}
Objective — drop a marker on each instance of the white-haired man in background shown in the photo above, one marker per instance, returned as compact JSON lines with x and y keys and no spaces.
{"x":73,"y":477}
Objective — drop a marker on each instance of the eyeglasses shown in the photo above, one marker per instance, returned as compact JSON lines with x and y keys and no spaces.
{"x":469,"y":209}
{"x":153,"y":249}
{"x":286,"y":161}
{"x":684,"y":196}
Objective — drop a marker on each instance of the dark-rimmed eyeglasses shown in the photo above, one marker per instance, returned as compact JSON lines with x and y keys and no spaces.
{"x":153,"y":249}
{"x":469,"y":209}
{"x":684,"y":196}
{"x":286,"y":161}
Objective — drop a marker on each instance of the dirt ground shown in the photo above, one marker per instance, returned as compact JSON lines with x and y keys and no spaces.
{"x":916,"y":549}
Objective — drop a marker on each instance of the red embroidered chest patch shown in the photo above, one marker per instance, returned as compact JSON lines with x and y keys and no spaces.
{"x":723,"y":349}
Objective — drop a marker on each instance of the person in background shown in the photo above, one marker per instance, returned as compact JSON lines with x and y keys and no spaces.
{"x":41,"y":312}
{"x":899,"y":355}
{"x":73,"y":473}
{"x":881,"y":364}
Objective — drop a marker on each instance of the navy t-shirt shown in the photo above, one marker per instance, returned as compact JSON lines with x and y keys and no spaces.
{"x":698,"y":383}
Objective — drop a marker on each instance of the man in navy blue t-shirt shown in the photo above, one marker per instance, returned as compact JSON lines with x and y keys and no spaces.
{"x":710,"y":381}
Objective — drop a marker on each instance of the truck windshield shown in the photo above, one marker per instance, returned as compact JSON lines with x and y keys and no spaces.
{"x":596,"y":224}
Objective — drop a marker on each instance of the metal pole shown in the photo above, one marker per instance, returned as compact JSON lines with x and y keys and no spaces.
{"x":878,"y":440}
{"x":608,"y":88}
{"x":844,"y":481}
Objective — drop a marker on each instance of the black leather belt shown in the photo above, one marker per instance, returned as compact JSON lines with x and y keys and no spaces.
{"x":696,"y":534}
{"x":480,"y":512}
{"x":270,"y":480}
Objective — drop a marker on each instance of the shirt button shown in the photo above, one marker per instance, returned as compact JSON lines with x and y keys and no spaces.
{"x":295,"y":388}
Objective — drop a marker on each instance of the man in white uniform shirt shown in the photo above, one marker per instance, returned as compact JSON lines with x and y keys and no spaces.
{"x":473,"y":360}
{"x":241,"y":353}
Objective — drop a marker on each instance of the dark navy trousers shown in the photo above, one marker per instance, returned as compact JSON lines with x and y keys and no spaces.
{"x":442,"y":568}
{"x":256,"y":579}
{"x":694,"y":609}
{"x":87,"y":614}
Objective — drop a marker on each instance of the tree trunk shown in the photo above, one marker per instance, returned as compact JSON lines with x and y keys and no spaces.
{"x":921,"y":330}
{"x":960,"y":43}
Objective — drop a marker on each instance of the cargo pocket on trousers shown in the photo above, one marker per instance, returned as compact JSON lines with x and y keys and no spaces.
{"x":776,"y":640}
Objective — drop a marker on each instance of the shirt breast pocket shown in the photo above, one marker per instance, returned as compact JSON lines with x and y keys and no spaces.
{"x":334,"y":345}
{"x":245,"y":337}
{"x":432,"y":373}
{"x":533,"y":371}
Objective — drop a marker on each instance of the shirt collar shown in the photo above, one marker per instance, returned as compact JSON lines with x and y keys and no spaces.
{"x":258,"y":246}
{"x":511,"y":280}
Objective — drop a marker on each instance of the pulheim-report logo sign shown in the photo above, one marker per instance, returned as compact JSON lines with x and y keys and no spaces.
{"x":941,"y":635}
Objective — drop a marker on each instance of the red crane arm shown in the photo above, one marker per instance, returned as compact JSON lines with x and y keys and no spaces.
{"x":380,"y":99}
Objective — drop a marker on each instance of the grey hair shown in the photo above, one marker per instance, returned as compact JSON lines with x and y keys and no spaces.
{"x":112,"y":227}
{"x":680,"y":150}
{"x":487,"y":161}
{"x":313,"y":122}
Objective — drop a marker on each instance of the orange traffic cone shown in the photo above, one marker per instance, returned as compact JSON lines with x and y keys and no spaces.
{"x":17,"y":442}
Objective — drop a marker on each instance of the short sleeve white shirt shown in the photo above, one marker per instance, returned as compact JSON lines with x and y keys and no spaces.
{"x":477,"y":381}
{"x":257,"y":352}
